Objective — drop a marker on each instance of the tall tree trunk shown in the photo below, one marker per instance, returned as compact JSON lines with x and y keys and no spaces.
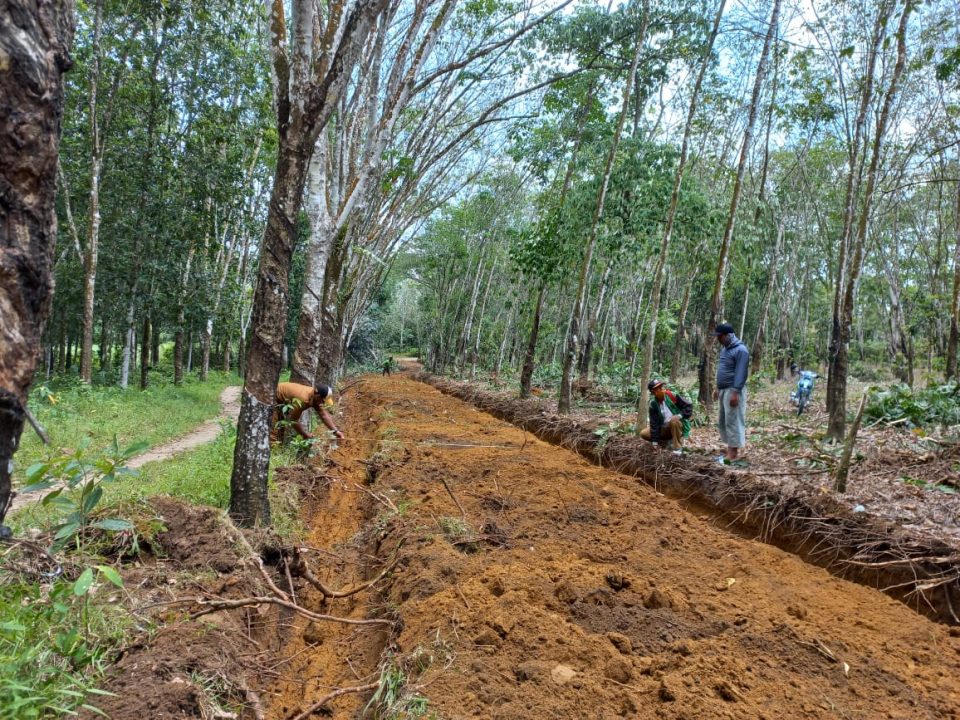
{"x":526,"y":374}
{"x":329,"y":353}
{"x":129,"y":348}
{"x":955,"y":300}
{"x":855,"y":172}
{"x":676,"y":364}
{"x":573,"y":331}
{"x":35,"y":47}
{"x":756,"y":355}
{"x":181,"y":319}
{"x":716,"y":302}
{"x":837,"y":400}
{"x":306,"y":91}
{"x":475,"y":350}
{"x":306,"y":351}
{"x":658,"y":271}
{"x":586,"y":354}
{"x":145,"y":341}
{"x":62,"y":352}
{"x":93,"y":212}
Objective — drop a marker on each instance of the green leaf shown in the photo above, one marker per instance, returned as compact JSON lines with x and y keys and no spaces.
{"x":115,"y":524}
{"x":36,"y":470}
{"x":111,"y":574}
{"x":12,"y":626}
{"x":37,"y":486}
{"x":136,"y":448}
{"x":83,"y":583}
{"x":67,"y":531}
{"x":91,"y":500}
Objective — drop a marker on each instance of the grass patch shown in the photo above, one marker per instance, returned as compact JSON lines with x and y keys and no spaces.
{"x":71,"y":412}
{"x":54,"y":646}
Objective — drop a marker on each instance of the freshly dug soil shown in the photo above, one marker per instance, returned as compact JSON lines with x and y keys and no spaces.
{"x":533,"y":584}
{"x":522,"y":582}
{"x":917,"y":568}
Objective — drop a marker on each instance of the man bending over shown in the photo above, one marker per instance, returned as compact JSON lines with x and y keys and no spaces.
{"x":292,"y":399}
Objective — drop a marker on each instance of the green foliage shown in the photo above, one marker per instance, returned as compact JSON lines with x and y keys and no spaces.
{"x":934,"y":405}
{"x":54,"y":645}
{"x":78,"y":481}
{"x":394,"y":699}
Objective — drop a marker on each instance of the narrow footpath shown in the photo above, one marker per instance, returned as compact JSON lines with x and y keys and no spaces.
{"x":532,"y":584}
{"x":204,"y":433}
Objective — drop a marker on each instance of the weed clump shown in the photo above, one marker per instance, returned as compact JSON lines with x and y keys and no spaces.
{"x":901,"y":405}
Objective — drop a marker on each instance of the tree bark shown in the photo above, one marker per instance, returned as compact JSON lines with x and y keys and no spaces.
{"x":526,"y":374}
{"x":756,"y":354}
{"x":677,"y":362}
{"x":145,"y":354}
{"x":93,"y":212}
{"x":35,"y":41}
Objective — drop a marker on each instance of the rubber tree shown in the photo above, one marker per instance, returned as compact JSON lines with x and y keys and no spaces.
{"x":716,"y":301}
{"x":658,"y":270}
{"x":35,"y":42}
{"x":310,"y":70}
{"x":572,"y":342}
{"x":852,"y":251}
{"x":955,"y":296}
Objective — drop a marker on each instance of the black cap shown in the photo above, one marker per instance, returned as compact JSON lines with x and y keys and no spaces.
{"x":654,"y":384}
{"x":723,"y":329}
{"x":323,"y":391}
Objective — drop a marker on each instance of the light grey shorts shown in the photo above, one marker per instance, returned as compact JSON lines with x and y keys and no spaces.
{"x":732,"y":421}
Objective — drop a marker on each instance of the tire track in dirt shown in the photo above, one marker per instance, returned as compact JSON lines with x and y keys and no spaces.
{"x":535,"y":585}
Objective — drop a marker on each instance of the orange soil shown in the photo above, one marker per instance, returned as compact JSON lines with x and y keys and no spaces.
{"x":575,"y":592}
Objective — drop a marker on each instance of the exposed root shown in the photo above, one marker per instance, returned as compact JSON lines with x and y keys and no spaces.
{"x":332,"y":696}
{"x":212,"y":606}
{"x":301,"y":569}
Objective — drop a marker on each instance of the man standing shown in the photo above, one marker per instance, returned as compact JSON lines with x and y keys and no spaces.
{"x":292,"y":399}
{"x":669,"y":417}
{"x":731,"y":391}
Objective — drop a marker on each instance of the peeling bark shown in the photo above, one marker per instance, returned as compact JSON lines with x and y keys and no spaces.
{"x":35,"y":40}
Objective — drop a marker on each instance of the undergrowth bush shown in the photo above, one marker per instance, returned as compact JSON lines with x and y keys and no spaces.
{"x":54,"y":645}
{"x":934,"y":405}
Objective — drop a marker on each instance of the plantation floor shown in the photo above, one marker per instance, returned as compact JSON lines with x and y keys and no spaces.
{"x":531,"y":584}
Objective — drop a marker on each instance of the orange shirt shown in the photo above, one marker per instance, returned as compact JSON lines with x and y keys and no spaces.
{"x":298,"y":397}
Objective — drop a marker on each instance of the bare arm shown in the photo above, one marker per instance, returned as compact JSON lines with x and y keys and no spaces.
{"x":328,"y":421}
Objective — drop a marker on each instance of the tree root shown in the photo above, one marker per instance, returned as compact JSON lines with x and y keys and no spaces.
{"x":332,"y":696}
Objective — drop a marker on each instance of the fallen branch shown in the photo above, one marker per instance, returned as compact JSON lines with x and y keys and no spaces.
{"x":463,"y":512}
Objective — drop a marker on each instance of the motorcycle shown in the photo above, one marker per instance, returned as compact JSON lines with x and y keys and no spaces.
{"x":801,"y":395}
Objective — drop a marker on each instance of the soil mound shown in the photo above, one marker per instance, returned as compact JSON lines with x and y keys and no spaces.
{"x":919,"y":570}
{"x":598,"y":597}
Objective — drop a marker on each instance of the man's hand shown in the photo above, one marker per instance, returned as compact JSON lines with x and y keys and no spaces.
{"x":338,"y":434}
{"x":734,"y":399}
{"x":716,"y":394}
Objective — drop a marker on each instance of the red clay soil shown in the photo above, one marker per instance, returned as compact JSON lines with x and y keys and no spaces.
{"x":532,"y":584}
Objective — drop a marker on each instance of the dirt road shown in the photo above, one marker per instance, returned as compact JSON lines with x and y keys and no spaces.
{"x":532,"y":584}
